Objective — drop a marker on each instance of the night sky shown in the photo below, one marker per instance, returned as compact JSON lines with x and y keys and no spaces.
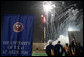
{"x":29,"y":7}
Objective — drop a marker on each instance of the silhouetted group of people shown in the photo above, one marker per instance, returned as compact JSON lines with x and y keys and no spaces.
{"x":74,"y":49}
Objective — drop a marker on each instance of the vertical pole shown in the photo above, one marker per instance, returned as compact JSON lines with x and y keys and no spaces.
{"x":44,"y":34}
{"x":44,"y":37}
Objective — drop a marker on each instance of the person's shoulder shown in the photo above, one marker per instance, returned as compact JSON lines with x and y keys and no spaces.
{"x":47,"y":46}
{"x":56,"y":45}
{"x":52,"y":45}
{"x":61,"y":45}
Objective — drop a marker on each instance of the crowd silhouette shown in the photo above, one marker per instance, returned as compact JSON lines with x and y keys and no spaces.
{"x":72,"y":49}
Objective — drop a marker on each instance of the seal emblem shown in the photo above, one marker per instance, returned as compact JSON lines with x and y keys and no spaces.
{"x":18,"y":27}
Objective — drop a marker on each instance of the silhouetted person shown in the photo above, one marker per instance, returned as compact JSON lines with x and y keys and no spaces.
{"x":50,"y":49}
{"x":58,"y":49}
{"x":72,"y":48}
{"x":67,"y":50}
{"x":80,"y":50}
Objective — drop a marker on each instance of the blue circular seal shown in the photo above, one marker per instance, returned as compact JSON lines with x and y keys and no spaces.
{"x":18,"y":27}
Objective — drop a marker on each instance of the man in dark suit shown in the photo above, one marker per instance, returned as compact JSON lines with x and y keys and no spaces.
{"x":50,"y":49}
{"x":58,"y":49}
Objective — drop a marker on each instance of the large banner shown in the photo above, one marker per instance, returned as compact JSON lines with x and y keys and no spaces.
{"x":17,"y":35}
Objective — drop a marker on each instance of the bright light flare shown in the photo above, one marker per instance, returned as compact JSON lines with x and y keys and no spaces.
{"x":48,"y":6}
{"x":41,"y":15}
{"x":70,"y":29}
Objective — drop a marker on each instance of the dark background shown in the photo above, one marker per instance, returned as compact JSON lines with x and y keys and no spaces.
{"x":29,"y":7}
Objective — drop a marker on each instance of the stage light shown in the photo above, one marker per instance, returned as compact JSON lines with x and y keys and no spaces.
{"x":70,"y":29}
